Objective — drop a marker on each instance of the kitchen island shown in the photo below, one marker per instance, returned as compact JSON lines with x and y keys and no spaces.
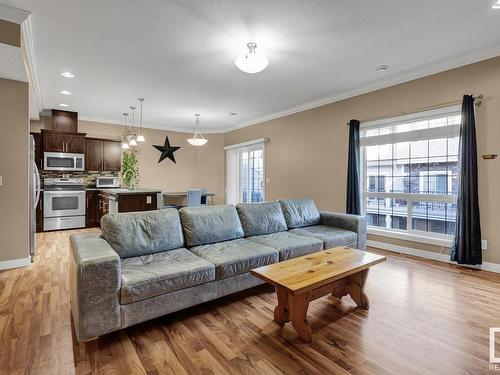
{"x":127,"y":200}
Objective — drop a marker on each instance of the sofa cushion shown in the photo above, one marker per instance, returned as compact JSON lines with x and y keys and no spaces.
{"x":235,"y":257}
{"x":300,"y":212}
{"x":289,"y":245}
{"x":330,"y":236}
{"x":142,"y":233}
{"x":261,"y":218}
{"x":155,"y":274}
{"x":204,"y":225}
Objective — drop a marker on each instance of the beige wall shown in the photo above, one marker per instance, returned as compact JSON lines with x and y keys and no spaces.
{"x":196,"y":167}
{"x":10,"y":33}
{"x":14,"y":154}
{"x":307,"y":151}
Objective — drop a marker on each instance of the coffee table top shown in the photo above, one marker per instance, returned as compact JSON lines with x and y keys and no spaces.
{"x":311,"y":271}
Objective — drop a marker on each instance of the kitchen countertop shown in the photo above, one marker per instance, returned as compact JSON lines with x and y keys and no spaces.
{"x":131,"y":192}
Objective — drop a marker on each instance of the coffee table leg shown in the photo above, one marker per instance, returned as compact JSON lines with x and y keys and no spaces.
{"x":356,"y":289}
{"x":281,"y":311}
{"x":298,"y":305}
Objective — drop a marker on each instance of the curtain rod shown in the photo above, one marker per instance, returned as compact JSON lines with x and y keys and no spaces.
{"x":479,"y":101}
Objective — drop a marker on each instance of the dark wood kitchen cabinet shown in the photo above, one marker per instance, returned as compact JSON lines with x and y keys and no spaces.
{"x":102,"y":155}
{"x":56,"y":141}
{"x":92,"y":209}
{"x":136,"y":202}
{"x":65,"y":121}
{"x":93,"y":154}
{"x":112,"y":155}
{"x":39,"y":214}
{"x":38,"y":150}
{"x":102,"y":206}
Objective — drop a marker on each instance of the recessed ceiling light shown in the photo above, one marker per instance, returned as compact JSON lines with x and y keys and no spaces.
{"x":65,"y":92}
{"x":382,"y":68}
{"x":67,"y":74}
{"x":496,"y":5}
{"x":64,"y":105}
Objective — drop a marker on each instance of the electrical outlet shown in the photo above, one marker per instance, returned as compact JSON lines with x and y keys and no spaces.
{"x":268,"y":180}
{"x":484,"y":245}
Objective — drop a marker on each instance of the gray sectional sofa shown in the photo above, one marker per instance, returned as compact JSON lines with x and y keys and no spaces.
{"x":149,"y":264}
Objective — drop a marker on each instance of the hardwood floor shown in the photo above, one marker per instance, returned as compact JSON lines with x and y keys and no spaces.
{"x":425,"y":317}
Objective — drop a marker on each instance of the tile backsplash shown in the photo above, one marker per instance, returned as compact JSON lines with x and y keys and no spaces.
{"x":89,"y":177}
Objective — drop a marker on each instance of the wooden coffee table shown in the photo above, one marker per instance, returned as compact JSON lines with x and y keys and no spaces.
{"x":339,"y":271}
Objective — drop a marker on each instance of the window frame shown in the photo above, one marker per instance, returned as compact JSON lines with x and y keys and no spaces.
{"x":410,"y":233}
{"x":247,"y":150}
{"x":234,"y":185}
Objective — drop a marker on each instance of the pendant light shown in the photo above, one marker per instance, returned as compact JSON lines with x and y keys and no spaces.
{"x":140,"y":137}
{"x":125,"y":145}
{"x":132,"y":141}
{"x":198,"y":139}
{"x":251,"y":62}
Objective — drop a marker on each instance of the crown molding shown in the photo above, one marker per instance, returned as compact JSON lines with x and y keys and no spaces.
{"x":12,"y":14}
{"x":29,"y":57}
{"x":145,"y":126}
{"x":402,"y":77}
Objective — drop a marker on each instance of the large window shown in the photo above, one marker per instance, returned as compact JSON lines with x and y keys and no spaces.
{"x":410,"y":172}
{"x":245,"y":172}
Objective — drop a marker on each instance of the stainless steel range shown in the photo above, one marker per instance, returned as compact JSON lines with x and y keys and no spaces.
{"x":63,"y":203}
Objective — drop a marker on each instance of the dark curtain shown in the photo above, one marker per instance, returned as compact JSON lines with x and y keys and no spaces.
{"x":353,"y":201}
{"x":466,"y":247}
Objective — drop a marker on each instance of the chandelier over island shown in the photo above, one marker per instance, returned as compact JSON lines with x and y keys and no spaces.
{"x":129,"y":136}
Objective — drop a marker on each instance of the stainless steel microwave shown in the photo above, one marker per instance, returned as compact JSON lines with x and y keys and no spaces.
{"x":107,"y":182}
{"x":63,"y":161}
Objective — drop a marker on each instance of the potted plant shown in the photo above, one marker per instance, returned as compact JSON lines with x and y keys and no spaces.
{"x":130,"y":169}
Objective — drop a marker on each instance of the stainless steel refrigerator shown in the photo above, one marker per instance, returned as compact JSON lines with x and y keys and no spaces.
{"x":35,"y":190}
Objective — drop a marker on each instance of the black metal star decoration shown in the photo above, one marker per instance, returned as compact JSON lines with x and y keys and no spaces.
{"x":167,"y":151}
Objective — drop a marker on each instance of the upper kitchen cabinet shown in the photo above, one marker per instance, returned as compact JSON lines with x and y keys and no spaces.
{"x":64,"y":121}
{"x":102,"y":155}
{"x":93,"y":154}
{"x":112,"y":155}
{"x":38,"y":150}
{"x":57,"y":141}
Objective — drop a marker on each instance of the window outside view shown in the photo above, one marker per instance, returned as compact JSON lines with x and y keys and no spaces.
{"x":252,"y":176}
{"x":410,"y":184}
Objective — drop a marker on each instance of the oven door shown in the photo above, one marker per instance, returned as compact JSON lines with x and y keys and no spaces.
{"x":63,"y":203}
{"x":61,"y":161}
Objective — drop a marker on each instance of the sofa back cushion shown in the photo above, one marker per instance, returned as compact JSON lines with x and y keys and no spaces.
{"x":300,"y":212}
{"x":210,"y":224}
{"x":141,"y":233}
{"x":261,"y":218}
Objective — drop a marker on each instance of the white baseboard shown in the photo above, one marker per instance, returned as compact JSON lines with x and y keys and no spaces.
{"x":15,"y":263}
{"x":486,"y":266}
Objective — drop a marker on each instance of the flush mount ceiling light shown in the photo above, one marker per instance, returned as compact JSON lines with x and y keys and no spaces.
{"x":65,"y":92}
{"x":64,"y":105}
{"x":198,"y":139}
{"x":251,"y":62}
{"x":68,"y":74}
{"x":382,"y":68}
{"x":496,"y":5}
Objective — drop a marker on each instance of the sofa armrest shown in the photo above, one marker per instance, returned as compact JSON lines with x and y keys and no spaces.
{"x":354,"y":223}
{"x":94,"y":275}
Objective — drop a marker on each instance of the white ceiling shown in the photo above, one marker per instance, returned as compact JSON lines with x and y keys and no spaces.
{"x":179,"y":55}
